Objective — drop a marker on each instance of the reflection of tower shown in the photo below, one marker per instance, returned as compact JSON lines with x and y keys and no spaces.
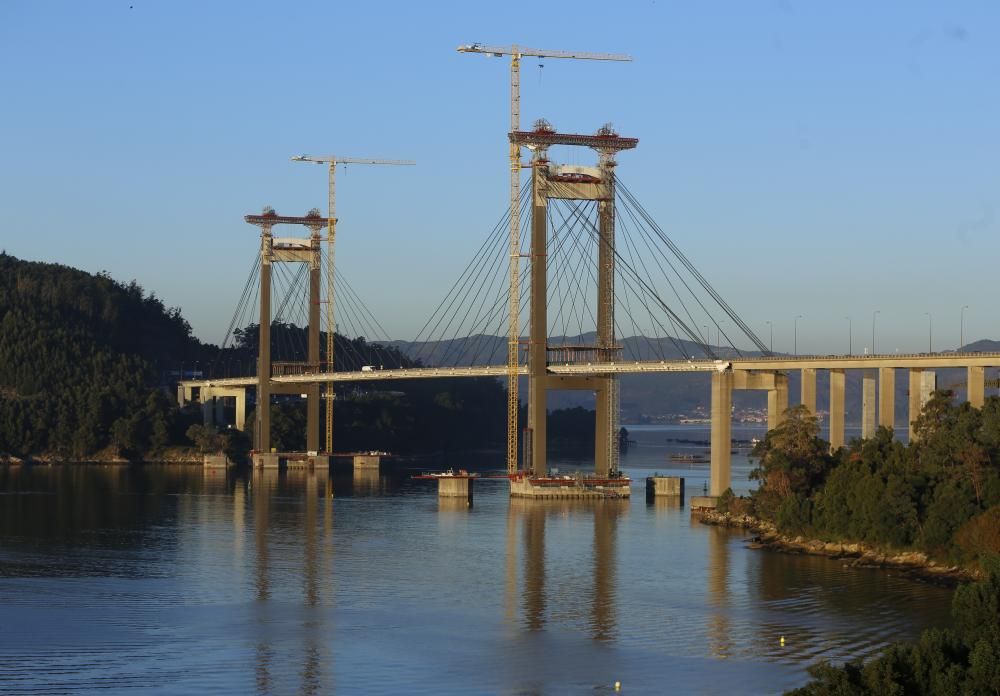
{"x":310,"y":569}
{"x":605,"y":530}
{"x":263,"y":484}
{"x":534,"y":564}
{"x":311,"y":654}
{"x":239,"y":521}
{"x":532,"y":514}
{"x":718,"y":591}
{"x":510,"y":566}
{"x":263,"y":481}
{"x":367,"y":481}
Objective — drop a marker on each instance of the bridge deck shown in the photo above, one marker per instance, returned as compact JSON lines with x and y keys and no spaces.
{"x":838,"y":362}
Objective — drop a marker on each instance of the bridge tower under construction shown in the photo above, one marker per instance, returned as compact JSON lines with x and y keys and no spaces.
{"x":552,"y":181}
{"x":294,"y":250}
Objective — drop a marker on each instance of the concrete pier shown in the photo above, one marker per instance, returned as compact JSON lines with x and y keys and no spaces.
{"x":975,"y":380}
{"x":704,"y":502}
{"x":291,"y":460}
{"x":456,"y":487}
{"x":664,"y":486}
{"x":922,"y":386}
{"x":868,"y":404}
{"x":887,"y":397}
{"x":216,"y":461}
{"x":367,"y":461}
{"x":266,"y":460}
{"x":722,"y":432}
{"x":808,"y":389}
{"x":319,"y":462}
{"x":777,"y":401}
{"x":837,"y":383}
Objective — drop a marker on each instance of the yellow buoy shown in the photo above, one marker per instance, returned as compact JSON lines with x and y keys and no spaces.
{"x":782,"y":641}
{"x":618,"y":686}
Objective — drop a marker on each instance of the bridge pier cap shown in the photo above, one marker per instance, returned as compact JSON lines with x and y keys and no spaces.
{"x":605,"y":141}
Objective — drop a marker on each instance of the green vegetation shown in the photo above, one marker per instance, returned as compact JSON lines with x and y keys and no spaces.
{"x":80,"y":358}
{"x":963,"y":660}
{"x":939,"y":495}
{"x":87,"y":367}
{"x":403,"y":417}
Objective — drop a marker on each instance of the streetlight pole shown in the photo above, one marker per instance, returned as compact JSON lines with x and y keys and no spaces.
{"x":961,"y":327}
{"x":877,"y":311}
{"x":795,"y":331}
{"x":850,"y":336}
{"x":770,"y":326}
{"x":708,"y":336}
{"x":930,"y":332}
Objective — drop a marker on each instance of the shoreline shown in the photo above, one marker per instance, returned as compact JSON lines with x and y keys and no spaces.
{"x":176,"y":457}
{"x":914,"y":564}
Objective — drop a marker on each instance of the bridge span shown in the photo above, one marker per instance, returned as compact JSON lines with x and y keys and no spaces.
{"x":593,"y":272}
{"x":763,"y":363}
{"x":765,"y":373}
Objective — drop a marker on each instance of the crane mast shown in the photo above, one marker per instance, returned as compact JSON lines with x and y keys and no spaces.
{"x":331,"y":235}
{"x":514,"y":325}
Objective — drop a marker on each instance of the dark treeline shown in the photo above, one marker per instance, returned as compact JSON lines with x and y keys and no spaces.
{"x":88,"y":363}
{"x":289,"y":343}
{"x":939,"y":495}
{"x":80,"y":358}
{"x":403,"y":417}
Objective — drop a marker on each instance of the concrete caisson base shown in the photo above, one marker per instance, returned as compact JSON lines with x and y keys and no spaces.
{"x":266,"y":460}
{"x":526,"y":488}
{"x":704,"y":502}
{"x":458,"y":487}
{"x":664,"y":486}
{"x":367,"y":461}
{"x":216,"y":461}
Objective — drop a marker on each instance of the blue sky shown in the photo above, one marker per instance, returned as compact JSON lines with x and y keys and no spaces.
{"x":822,"y":159}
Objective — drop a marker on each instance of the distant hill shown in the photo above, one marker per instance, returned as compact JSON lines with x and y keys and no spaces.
{"x":84,"y":359}
{"x":80,"y":352}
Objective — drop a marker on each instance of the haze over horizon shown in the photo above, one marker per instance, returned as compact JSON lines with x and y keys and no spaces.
{"x":818,"y":161}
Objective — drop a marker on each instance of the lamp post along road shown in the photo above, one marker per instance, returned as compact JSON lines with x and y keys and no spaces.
{"x":930,"y":332}
{"x":961,"y":327}
{"x":850,"y":336}
{"x":876,"y":312}
{"x":795,"y":332}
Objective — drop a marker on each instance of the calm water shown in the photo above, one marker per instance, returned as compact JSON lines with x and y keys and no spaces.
{"x":168,"y":579}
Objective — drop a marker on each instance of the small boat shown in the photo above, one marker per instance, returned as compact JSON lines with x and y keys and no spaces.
{"x":689,"y":458}
{"x":451,"y":473}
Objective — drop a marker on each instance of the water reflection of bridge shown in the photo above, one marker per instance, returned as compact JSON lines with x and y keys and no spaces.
{"x":541,"y":592}
{"x":264,"y":488}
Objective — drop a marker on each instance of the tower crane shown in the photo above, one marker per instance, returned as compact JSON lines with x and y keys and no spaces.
{"x":514,"y":332}
{"x":331,"y":235}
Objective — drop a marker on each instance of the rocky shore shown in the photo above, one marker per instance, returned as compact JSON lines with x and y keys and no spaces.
{"x":171,"y":455}
{"x":855,"y":555}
